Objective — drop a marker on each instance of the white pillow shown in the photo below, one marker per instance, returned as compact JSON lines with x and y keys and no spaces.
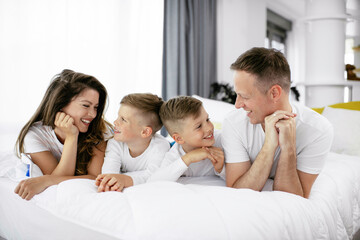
{"x":346,"y":125}
{"x":217,"y":110}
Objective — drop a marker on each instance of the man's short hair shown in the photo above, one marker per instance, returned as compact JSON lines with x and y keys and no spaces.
{"x":178,"y":108}
{"x":268,"y":65}
{"x":149,"y":106}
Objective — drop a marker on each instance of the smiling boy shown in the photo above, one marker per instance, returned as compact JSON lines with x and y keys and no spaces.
{"x":136,"y":150}
{"x":197,"y":151}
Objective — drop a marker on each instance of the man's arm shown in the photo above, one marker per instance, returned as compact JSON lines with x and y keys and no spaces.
{"x":287,"y":178}
{"x":253,"y":176}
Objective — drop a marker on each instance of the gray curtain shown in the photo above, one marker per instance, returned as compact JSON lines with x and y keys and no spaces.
{"x":189,"y":56}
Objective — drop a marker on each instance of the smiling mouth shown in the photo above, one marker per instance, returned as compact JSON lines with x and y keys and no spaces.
{"x":211,"y":136}
{"x":87,"y":122}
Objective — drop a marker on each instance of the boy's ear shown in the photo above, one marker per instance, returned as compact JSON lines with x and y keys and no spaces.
{"x":178,"y":138}
{"x":146,"y":132}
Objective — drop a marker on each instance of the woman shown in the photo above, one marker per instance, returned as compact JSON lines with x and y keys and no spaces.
{"x":65,"y":136}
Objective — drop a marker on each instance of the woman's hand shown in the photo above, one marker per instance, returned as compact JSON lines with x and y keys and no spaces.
{"x":26,"y":189}
{"x":65,"y":123}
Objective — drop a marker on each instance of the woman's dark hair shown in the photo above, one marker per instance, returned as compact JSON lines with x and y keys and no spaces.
{"x":63,"y":88}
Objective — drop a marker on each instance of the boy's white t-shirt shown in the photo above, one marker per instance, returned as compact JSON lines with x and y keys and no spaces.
{"x":41,"y":138}
{"x":118,"y":159}
{"x":173,"y":167}
{"x":242,"y":141}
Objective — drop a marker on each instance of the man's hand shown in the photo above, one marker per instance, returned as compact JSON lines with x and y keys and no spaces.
{"x":287,"y":134}
{"x":113,"y":182}
{"x":272,"y":128}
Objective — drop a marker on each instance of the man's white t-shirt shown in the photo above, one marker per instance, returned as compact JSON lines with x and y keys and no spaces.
{"x":242,"y":141}
{"x":173,"y":167}
{"x":118,"y":159}
{"x":42,"y":138}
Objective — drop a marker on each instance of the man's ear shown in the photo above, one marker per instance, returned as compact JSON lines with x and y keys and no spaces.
{"x":176,"y":136}
{"x":275,"y":92}
{"x":146,"y":132}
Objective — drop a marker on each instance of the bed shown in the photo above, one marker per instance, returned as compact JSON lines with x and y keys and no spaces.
{"x":196,"y":208}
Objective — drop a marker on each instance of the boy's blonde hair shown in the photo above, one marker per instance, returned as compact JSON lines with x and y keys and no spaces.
{"x":149,"y":106}
{"x":176,"y":109}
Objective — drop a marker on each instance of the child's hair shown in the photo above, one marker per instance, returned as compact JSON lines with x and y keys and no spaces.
{"x":63,"y":88}
{"x":179,"y":108}
{"x":149,"y":105}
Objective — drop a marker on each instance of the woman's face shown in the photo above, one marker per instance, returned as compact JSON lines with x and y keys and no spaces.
{"x":83,"y":108}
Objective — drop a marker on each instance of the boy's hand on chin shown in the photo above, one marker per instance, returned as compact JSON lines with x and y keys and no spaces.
{"x":217,"y":158}
{"x":196,"y":155}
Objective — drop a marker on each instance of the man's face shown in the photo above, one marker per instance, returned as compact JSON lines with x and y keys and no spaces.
{"x":255,"y":103}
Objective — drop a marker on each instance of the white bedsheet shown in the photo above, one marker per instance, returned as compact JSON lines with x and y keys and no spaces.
{"x":196,"y":210}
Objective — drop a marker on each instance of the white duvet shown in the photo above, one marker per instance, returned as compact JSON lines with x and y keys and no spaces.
{"x":204,"y":209}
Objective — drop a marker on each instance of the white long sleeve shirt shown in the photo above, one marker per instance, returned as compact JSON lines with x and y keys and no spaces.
{"x":118,"y":159}
{"x":173,"y":167}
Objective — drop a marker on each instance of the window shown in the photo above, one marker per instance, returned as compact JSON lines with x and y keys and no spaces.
{"x":276,"y":29}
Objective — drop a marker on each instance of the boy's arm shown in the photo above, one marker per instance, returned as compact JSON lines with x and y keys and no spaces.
{"x":112,"y":160}
{"x":170,"y":172}
{"x":154,"y":159}
{"x":173,"y":167}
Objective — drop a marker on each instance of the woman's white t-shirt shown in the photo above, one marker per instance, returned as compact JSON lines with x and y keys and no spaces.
{"x":41,"y":138}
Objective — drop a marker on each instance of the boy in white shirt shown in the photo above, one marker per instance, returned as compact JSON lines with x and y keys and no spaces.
{"x":197,"y":151}
{"x":136,"y":150}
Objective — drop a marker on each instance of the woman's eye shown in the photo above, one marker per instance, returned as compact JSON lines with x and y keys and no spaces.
{"x":86,"y":105}
{"x":198,"y":126}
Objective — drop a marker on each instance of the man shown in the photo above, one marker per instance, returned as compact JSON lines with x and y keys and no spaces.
{"x":269,"y":137}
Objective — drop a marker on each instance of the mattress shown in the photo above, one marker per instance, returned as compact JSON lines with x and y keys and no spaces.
{"x":193,"y":208}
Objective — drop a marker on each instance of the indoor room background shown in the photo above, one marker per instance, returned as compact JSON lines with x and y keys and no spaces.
{"x":121,"y":42}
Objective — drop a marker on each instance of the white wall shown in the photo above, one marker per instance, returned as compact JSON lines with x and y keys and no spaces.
{"x":118,"y":42}
{"x":241,"y":25}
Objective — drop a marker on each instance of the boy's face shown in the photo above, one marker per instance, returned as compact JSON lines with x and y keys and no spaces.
{"x":127,"y":126}
{"x":197,"y":132}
